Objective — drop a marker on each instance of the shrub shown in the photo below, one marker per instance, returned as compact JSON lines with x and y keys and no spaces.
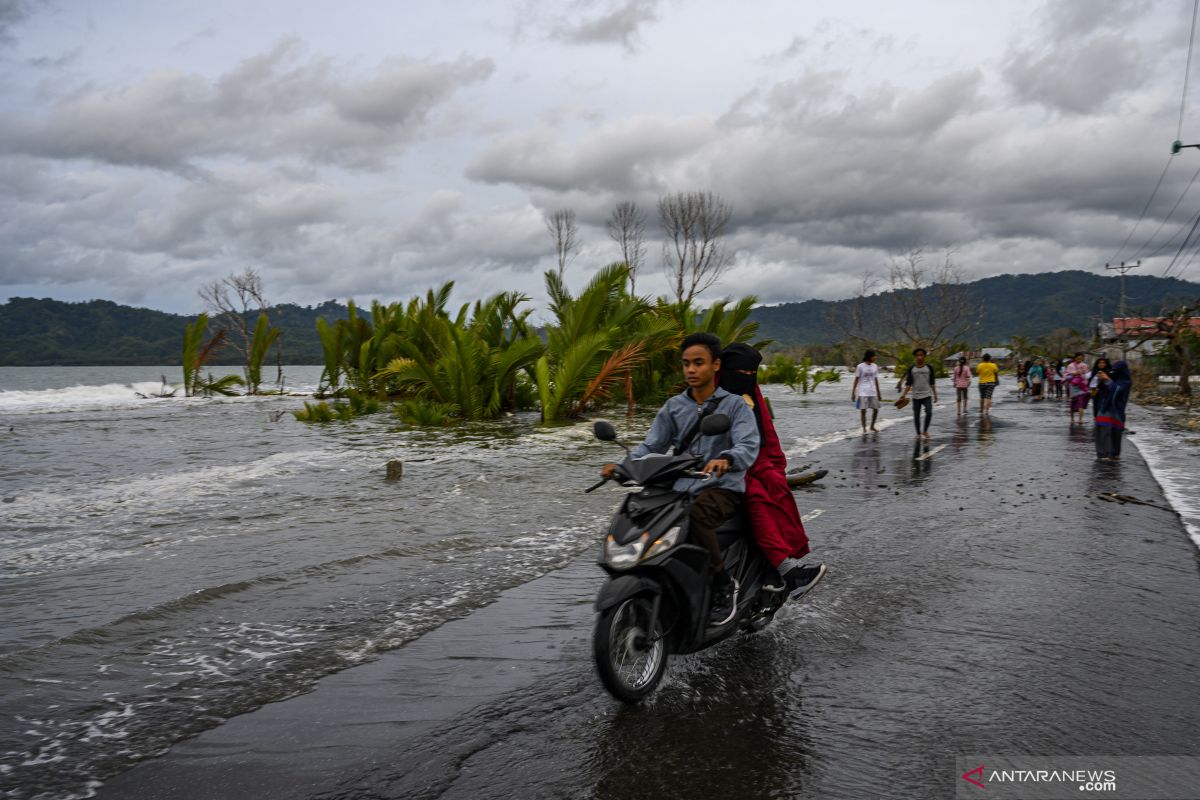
{"x":426,"y":412}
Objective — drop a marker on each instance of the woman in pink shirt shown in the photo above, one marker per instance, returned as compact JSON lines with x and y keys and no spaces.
{"x":1075,"y":375}
{"x":962,"y":382}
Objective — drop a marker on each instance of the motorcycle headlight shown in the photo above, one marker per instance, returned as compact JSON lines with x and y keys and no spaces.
{"x":624,"y":556}
{"x":665,"y":542}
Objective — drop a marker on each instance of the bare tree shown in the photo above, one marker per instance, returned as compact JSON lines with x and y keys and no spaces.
{"x":627,"y":227}
{"x":919,"y":306}
{"x":1062,"y":342}
{"x":565,"y":233}
{"x":1178,"y":334}
{"x":693,"y":255}
{"x":235,"y":301}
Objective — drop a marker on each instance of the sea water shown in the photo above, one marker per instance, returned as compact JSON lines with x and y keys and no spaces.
{"x":170,"y":562}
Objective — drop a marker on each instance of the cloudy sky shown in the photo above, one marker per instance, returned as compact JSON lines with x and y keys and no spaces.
{"x":374,"y":149}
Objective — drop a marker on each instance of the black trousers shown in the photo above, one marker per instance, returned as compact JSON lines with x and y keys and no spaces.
{"x":927,"y":404}
{"x":711,"y":508}
{"x":1108,"y":441}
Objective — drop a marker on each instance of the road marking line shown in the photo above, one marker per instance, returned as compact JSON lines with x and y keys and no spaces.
{"x":810,"y":516}
{"x":932,"y":453}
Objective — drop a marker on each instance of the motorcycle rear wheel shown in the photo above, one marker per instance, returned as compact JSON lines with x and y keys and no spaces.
{"x":631,"y":660}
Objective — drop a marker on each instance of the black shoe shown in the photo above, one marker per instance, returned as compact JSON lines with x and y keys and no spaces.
{"x":800,"y":580}
{"x":724,"y":599}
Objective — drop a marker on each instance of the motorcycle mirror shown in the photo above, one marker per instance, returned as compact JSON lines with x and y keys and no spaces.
{"x":604,"y":431}
{"x":715,"y":425}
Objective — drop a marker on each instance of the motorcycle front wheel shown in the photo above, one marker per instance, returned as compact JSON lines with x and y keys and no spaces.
{"x":630,"y":658}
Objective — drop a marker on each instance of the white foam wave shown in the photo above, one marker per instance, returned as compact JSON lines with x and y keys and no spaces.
{"x":1176,"y":470}
{"x":168,"y":489}
{"x":806,"y":444}
{"x":113,"y":396}
{"x":144,"y":497}
{"x":82,"y":398}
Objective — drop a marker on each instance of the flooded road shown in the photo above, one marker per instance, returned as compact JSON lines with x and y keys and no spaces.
{"x":982,"y":598}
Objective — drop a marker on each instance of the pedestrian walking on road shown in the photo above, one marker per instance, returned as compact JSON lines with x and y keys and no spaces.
{"x":962,"y":385}
{"x":865,"y":391}
{"x":1100,"y":370}
{"x":1037,"y":378}
{"x":920,"y":381}
{"x":989,"y":375}
{"x":1075,"y":375}
{"x":1054,"y":376}
{"x":1112,"y":398}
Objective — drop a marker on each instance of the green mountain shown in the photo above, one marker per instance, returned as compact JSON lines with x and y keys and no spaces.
{"x":1009,"y":305}
{"x":51,"y":332}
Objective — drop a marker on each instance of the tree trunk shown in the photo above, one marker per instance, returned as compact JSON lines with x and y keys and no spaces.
{"x":629,"y":393}
{"x":1185,"y":367}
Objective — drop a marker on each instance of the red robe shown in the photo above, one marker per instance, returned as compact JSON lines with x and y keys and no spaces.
{"x":770,"y":505}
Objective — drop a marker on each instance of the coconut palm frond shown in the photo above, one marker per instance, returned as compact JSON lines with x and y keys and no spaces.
{"x":611,"y":373}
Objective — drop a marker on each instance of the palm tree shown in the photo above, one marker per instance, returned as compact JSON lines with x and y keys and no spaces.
{"x":471,"y":362}
{"x":597,"y":339}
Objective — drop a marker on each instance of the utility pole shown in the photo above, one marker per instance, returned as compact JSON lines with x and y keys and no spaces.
{"x":1097,"y":331}
{"x":1123,"y":268}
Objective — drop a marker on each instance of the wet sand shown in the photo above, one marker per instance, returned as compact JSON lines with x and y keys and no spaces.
{"x":981,"y":599}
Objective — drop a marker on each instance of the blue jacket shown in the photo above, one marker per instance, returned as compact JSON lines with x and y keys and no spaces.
{"x":740,"y":444}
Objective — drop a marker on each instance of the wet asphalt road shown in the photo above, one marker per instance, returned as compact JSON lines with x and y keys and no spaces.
{"x":981,"y":600}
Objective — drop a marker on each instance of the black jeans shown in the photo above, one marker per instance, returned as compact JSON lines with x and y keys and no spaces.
{"x":1108,"y":441}
{"x":710,"y":509}
{"x":927,"y":404}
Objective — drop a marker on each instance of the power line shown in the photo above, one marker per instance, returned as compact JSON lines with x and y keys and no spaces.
{"x":1145,"y":208}
{"x":1187,"y":239}
{"x":1175,"y":148}
{"x":1187,"y":69}
{"x":1170,"y":214}
{"x":1195,"y":252}
{"x":1162,"y":247}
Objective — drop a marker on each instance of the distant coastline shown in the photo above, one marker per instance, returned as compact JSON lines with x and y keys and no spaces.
{"x":47,"y":332}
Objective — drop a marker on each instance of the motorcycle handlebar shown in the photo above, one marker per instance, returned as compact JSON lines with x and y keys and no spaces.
{"x":596,"y":486}
{"x":691,"y":473}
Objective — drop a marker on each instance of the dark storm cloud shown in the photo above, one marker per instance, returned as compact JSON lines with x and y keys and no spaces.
{"x":830,"y":176}
{"x":57,"y":62}
{"x":838,"y":150}
{"x":625,"y":156}
{"x":271,"y":106}
{"x":12,"y":13}
{"x":1079,"y":57}
{"x":1078,"y":77}
{"x":612,"y":24}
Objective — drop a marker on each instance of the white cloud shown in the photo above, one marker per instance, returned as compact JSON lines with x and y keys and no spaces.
{"x":273,"y":106}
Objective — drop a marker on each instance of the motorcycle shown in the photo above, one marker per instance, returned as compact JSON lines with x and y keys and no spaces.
{"x":657,"y":599}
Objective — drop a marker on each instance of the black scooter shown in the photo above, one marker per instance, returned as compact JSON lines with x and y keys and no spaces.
{"x":656,"y":601}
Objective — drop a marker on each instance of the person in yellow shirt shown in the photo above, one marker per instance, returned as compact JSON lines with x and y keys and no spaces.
{"x":989,"y":376}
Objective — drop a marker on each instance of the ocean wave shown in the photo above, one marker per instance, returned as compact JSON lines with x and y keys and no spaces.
{"x":806,"y":444}
{"x":100,"y":397}
{"x":83,"y":398}
{"x":1174,"y":467}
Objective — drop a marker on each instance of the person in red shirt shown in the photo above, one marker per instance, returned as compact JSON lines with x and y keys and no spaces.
{"x":774,"y":518}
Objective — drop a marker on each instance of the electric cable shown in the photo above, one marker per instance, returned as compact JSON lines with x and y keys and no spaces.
{"x":1167,"y":218}
{"x":1145,"y":208}
{"x":1187,"y":239}
{"x":1169,"y":242}
{"x":1187,"y":69}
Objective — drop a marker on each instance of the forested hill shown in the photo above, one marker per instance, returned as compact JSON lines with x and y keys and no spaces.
{"x":1009,"y":305}
{"x":49,"y":332}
